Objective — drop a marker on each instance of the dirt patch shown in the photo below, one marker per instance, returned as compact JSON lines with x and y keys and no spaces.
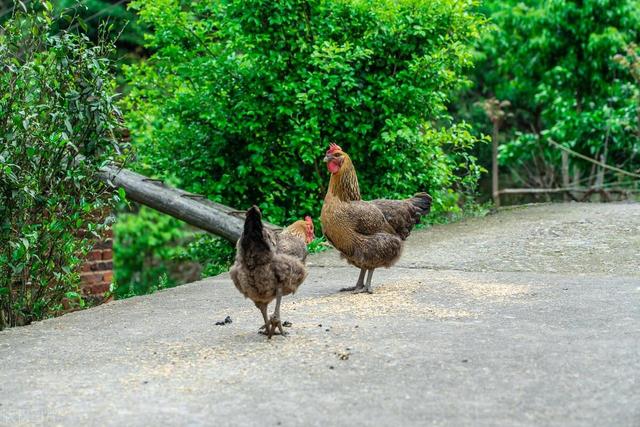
{"x":483,"y":290}
{"x":388,"y":299}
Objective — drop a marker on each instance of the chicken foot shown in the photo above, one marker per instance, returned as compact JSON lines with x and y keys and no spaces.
{"x":359,"y":284}
{"x":263,"y":309}
{"x":264,"y":329}
{"x":275,"y":317}
{"x":367,"y":286}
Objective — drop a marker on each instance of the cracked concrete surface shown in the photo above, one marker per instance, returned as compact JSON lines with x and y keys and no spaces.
{"x":527,"y":317}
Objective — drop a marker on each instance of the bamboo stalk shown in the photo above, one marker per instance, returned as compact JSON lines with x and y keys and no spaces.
{"x":494,"y":165}
{"x":563,"y":190}
{"x":595,"y":162}
{"x":565,"y":173}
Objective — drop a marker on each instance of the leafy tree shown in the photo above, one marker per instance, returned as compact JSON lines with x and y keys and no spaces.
{"x":241,"y":98}
{"x":88,"y":16}
{"x":57,"y":103}
{"x":91,"y":14}
{"x":554,"y":62}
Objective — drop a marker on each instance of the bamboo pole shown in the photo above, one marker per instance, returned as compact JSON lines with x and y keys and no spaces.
{"x":565,"y":173}
{"x":495,"y":190}
{"x":595,"y":162}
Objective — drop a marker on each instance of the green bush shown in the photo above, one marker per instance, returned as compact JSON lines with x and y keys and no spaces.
{"x":88,"y":16}
{"x":241,"y":99}
{"x":214,"y":254}
{"x":554,"y":62}
{"x":144,"y":246}
{"x":91,"y":13}
{"x":152,"y":251}
{"x":57,"y":102}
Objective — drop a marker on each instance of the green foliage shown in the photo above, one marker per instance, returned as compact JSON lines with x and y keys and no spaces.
{"x":93,"y":12}
{"x":88,"y":16}
{"x":630,"y":60}
{"x":554,"y":61}
{"x":214,"y":254}
{"x":241,"y":99}
{"x":149,"y":245}
{"x":144,"y":246}
{"x":319,"y":244}
{"x":57,"y":103}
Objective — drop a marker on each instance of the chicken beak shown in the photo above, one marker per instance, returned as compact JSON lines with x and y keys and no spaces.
{"x":327,"y":158}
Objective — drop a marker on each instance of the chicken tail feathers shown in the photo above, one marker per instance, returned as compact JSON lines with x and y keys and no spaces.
{"x":422,"y":201}
{"x":253,"y":240}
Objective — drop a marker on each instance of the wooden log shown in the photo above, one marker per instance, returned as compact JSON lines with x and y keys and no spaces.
{"x":193,"y":209}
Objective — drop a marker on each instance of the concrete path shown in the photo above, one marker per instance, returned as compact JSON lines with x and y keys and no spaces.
{"x":527,"y":317}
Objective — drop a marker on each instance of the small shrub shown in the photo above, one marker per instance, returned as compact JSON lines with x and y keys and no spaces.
{"x":214,"y":254}
{"x":57,"y":102}
{"x":144,"y":247}
{"x":149,"y":246}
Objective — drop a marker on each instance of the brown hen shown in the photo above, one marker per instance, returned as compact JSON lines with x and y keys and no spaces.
{"x":369,"y":234}
{"x":270,"y":265}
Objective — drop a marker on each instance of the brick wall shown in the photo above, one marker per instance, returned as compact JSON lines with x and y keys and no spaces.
{"x":97,"y":272}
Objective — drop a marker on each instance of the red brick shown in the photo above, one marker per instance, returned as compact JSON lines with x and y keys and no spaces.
{"x":98,"y":288}
{"x":104,"y":244}
{"x":95,"y":255}
{"x":87,"y":266}
{"x":107,"y":277}
{"x":90,"y":278}
{"x":101,"y":265}
{"x":107,"y":254}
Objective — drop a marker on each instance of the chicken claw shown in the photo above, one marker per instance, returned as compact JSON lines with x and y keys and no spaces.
{"x":275,"y":324}
{"x":359,"y":284}
{"x":263,"y":309}
{"x":265,"y":329}
{"x":355,"y":289}
{"x":275,"y":317}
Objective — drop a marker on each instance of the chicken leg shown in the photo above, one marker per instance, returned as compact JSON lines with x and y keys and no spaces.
{"x":275,"y":317}
{"x":263,"y":309}
{"x":367,"y":287}
{"x":359,"y":284}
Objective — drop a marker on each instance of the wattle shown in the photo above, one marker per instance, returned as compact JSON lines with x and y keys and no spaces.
{"x":333,"y":167}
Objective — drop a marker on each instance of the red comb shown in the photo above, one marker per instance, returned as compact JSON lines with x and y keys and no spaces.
{"x":333,"y":147}
{"x":308,"y":219}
